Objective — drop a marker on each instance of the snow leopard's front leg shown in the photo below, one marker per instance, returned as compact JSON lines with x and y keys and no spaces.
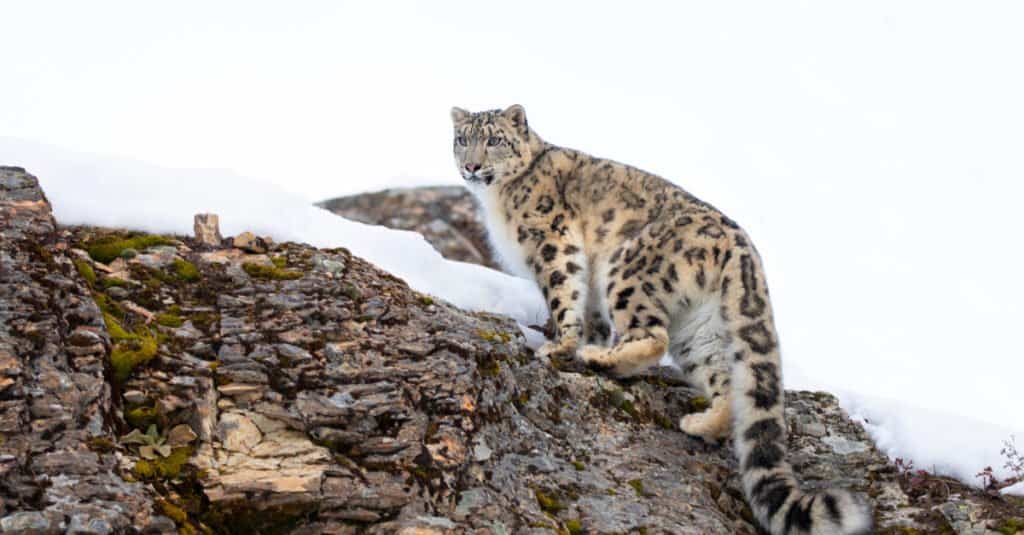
{"x":560,"y":267}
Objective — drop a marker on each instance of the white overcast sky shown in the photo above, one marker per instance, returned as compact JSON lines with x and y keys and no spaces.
{"x":875,"y":150}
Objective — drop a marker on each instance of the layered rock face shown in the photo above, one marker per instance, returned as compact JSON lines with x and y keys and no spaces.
{"x":156,"y":384}
{"x":57,"y":473}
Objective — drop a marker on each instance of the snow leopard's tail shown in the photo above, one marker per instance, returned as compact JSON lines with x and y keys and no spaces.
{"x":759,"y":430}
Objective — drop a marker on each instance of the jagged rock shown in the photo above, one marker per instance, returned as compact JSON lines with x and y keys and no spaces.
{"x":322,"y":395}
{"x":249,"y":242}
{"x":445,"y":215}
{"x":56,"y":414}
{"x":207,"y":229}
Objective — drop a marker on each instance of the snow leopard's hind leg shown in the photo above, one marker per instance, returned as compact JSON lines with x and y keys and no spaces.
{"x":639,"y":318}
{"x":707,"y":368}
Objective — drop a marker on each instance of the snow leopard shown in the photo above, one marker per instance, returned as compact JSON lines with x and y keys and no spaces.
{"x":633,"y":267}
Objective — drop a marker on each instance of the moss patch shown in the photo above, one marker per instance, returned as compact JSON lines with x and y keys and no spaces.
{"x":495,"y":337}
{"x":111,"y":282}
{"x":548,"y":503}
{"x":279,"y":261}
{"x":170,"y":318}
{"x":164,"y":468}
{"x":1012,"y":526}
{"x":105,"y":249}
{"x":204,"y":320}
{"x":574,"y":527}
{"x":638,"y":486}
{"x":258,"y":271}
{"x":114,"y":328}
{"x":186,"y":271}
{"x":108,"y":305}
{"x":663,"y":421}
{"x":141,"y":417}
{"x":99,"y":444}
{"x":699,"y":404}
{"x":172,"y":511}
{"x":86,"y":271}
{"x":130,"y":353}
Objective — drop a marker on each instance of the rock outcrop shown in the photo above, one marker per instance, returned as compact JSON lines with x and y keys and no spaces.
{"x":160,"y":384}
{"x":444,"y":215}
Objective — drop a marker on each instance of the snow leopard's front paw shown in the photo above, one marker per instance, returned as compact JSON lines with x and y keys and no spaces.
{"x":562,"y":355}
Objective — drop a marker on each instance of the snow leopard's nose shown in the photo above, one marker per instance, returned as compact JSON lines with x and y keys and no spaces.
{"x":472,"y":167}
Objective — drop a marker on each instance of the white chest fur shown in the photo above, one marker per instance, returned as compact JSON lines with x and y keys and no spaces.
{"x":500,"y":233}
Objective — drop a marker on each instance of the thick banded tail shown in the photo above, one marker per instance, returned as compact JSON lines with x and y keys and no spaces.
{"x":759,"y":429}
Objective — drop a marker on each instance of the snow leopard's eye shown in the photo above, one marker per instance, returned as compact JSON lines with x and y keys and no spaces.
{"x":493,"y":141}
{"x":461,"y":140}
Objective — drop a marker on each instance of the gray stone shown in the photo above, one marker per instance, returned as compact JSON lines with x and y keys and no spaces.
{"x":207,"y":229}
{"x":843,"y":445}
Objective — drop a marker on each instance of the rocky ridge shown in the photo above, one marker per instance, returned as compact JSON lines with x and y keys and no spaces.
{"x":161,"y":384}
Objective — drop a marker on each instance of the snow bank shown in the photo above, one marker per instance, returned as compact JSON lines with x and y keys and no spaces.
{"x":935,"y":441}
{"x":114,"y":192}
{"x":118,"y":193}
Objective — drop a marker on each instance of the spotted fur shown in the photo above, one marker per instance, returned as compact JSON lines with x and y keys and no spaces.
{"x":633,"y":267}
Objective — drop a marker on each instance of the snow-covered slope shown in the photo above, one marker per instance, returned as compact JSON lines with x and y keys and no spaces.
{"x":114,"y":192}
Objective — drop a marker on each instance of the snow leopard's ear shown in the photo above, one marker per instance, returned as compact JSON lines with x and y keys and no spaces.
{"x":516,"y":114}
{"x":459,"y":115}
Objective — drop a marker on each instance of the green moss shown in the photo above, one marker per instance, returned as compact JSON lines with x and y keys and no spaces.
{"x":141,"y":417}
{"x":548,"y":503}
{"x":170,"y":317}
{"x":279,"y":261}
{"x":629,"y":408}
{"x":172,"y":511}
{"x":579,"y":466}
{"x":114,"y":328}
{"x":426,"y":300}
{"x":638,"y":486}
{"x":574,"y":527}
{"x":1012,"y":526}
{"x":86,"y":271}
{"x":101,"y":444}
{"x":163,"y":468}
{"x":186,"y":270}
{"x":107,"y":248}
{"x":132,"y":352}
{"x":258,"y":271}
{"x":204,"y":320}
{"x":110,"y":282}
{"x":169,"y":320}
{"x":699,"y":404}
{"x":488,"y":367}
{"x":663,"y":421}
{"x":496,"y":337}
{"x":108,"y":305}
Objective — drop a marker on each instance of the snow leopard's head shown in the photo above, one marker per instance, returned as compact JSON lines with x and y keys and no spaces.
{"x":491,"y":146}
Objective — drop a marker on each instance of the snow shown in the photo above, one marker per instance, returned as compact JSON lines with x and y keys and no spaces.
{"x":109,"y":191}
{"x":941,"y":443}
{"x":113,"y":192}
